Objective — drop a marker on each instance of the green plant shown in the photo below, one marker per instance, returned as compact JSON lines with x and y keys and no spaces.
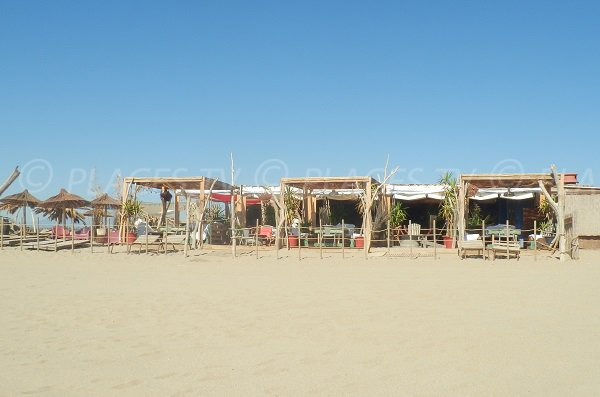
{"x":214,"y":213}
{"x":130,"y":211}
{"x":475,"y":217}
{"x":397,"y":215}
{"x":449,"y":205}
{"x":292,"y":205}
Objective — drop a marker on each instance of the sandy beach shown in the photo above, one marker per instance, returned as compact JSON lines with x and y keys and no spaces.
{"x":88,"y":324}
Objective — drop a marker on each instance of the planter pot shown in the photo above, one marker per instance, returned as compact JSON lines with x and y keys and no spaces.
{"x":293,"y":241}
{"x":359,"y":242}
{"x":448,"y":243}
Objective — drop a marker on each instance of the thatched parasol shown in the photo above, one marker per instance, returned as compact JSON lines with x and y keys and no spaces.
{"x":64,"y":201}
{"x":106,"y":202}
{"x":23,"y":199}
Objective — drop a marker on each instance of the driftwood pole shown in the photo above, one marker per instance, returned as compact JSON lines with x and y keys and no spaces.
{"x":92,"y":236}
{"x":37,"y":236}
{"x":483,"y":238}
{"x":1,"y":232}
{"x":320,"y":239}
{"x":256,"y":238}
{"x":147,"y":227}
{"x":410,"y":230}
{"x":507,"y":241}
{"x":558,"y":207}
{"x":15,"y":174}
{"x":535,"y":240}
{"x":73,"y":231}
{"x":343,"y":238}
{"x":388,"y":235}
{"x":232,"y":210}
{"x":434,"y":240}
{"x":187,"y":225}
{"x":299,"y":242}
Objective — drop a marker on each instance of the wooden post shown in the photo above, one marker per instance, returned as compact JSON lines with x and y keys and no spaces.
{"x":343,"y":238}
{"x":562,"y":239}
{"x":388,"y":235}
{"x":320,"y":239}
{"x":535,"y":240}
{"x":507,"y":241}
{"x":92,"y":236}
{"x":147,"y":227}
{"x":434,"y":240}
{"x":166,"y":238}
{"x":1,"y":232}
{"x":462,"y":190}
{"x":73,"y":231}
{"x":299,"y":242}
{"x":232,"y":212}
{"x":367,"y":227}
{"x":37,"y":236}
{"x":108,"y":235}
{"x":21,"y":236}
{"x":56,"y":236}
{"x":177,"y":215}
{"x":410,"y":236}
{"x":187,"y":226}
{"x":201,"y":206}
{"x":483,"y":239}
{"x":256,"y":238}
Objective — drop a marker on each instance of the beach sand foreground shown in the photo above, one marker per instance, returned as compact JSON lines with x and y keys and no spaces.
{"x":135,"y":325}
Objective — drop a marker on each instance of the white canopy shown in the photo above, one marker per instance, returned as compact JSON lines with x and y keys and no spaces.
{"x":506,"y":193}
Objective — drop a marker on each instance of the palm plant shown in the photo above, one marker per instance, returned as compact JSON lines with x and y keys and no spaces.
{"x":449,"y":205}
{"x":292,"y":205}
{"x":397,"y":215}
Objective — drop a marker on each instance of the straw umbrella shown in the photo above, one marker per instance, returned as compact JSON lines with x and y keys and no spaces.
{"x":63,"y":201}
{"x":23,"y":199}
{"x":105,"y":202}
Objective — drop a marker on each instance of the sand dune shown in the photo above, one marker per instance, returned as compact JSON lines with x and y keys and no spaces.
{"x":144,"y":325}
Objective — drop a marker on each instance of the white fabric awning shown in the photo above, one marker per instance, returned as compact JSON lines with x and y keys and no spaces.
{"x":415,"y":192}
{"x":505,"y":193}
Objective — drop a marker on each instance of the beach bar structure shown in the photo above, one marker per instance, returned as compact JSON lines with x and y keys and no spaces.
{"x":312,"y":189}
{"x":514,"y":187}
{"x":201,"y":184}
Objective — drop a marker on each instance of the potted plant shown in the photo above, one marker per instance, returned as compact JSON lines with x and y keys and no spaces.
{"x":449,"y":207}
{"x":292,"y":216}
{"x":130,"y":211}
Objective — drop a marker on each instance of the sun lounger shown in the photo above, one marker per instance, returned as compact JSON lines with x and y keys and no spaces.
{"x":505,"y":248}
{"x":473,"y":247}
{"x":174,"y":240}
{"x":143,"y":240}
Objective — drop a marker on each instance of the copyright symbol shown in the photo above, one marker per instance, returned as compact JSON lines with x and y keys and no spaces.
{"x":261,"y":176}
{"x":508,"y":166}
{"x":36,"y":175}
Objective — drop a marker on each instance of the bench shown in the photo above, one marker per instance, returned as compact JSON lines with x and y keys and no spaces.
{"x":467,"y":247}
{"x":505,"y":248}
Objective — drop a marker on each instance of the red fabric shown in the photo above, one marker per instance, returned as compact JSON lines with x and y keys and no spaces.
{"x":226,"y":198}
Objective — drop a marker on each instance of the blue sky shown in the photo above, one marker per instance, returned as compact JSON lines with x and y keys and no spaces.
{"x":295,"y":88}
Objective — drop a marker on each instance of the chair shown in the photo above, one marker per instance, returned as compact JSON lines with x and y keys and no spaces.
{"x":414,"y":231}
{"x":265,"y":235}
{"x":507,"y":247}
{"x":244,"y":237}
